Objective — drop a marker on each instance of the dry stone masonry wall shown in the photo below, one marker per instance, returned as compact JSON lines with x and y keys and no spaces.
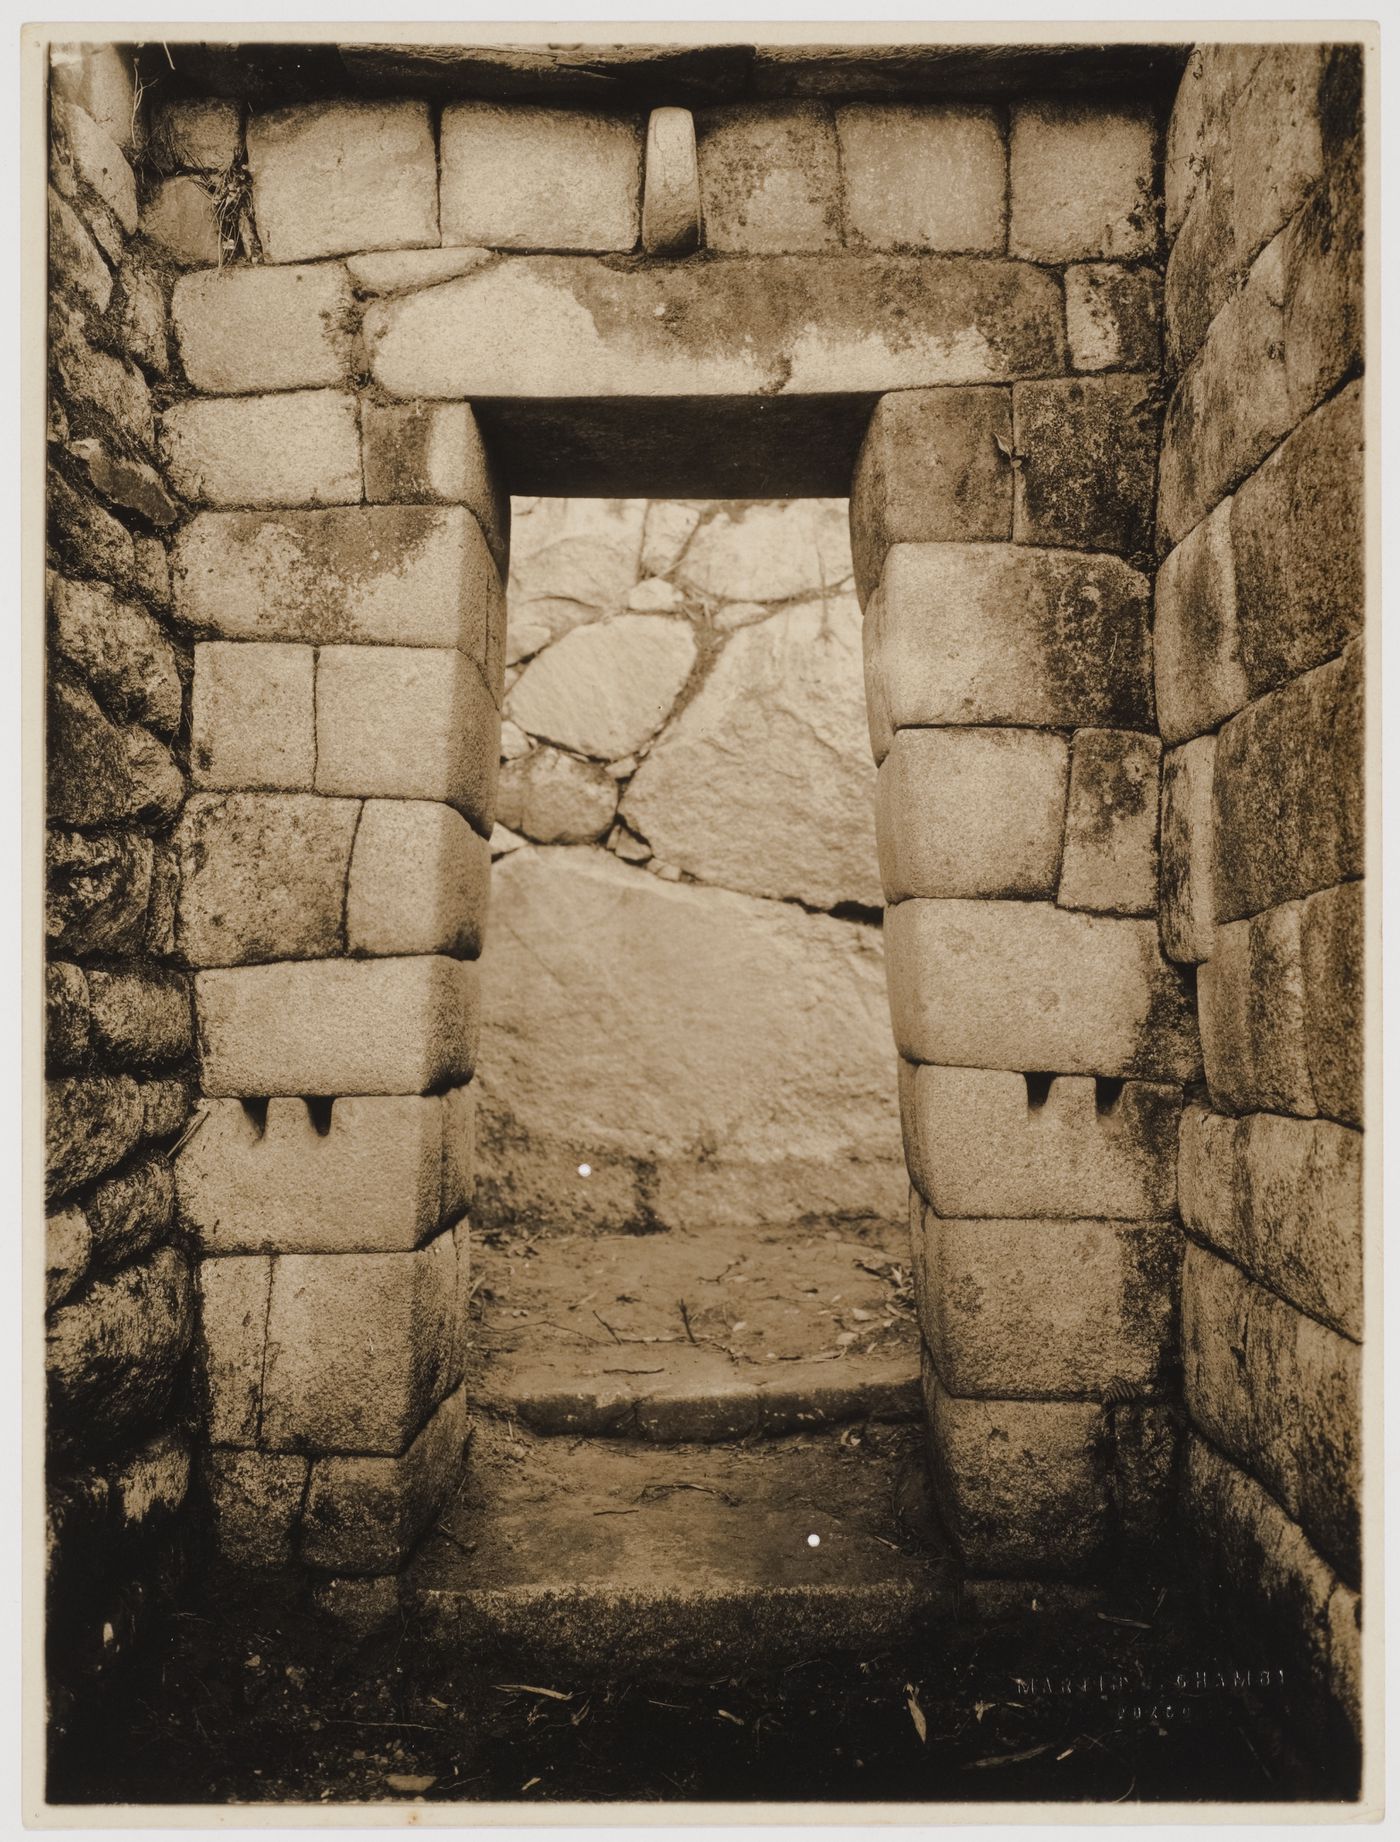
{"x":1259,"y":610}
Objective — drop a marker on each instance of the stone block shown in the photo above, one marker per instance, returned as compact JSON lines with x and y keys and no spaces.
{"x":203,"y":132}
{"x":331,"y":1026}
{"x":299,"y":447}
{"x":1188,"y":852}
{"x":1210,"y":86}
{"x":180,"y":218}
{"x":434,"y":451}
{"x":264,"y":328}
{"x":990,"y":1145}
{"x":929,"y":176}
{"x":671,"y":220}
{"x":407,"y":723}
{"x":796,"y":326}
{"x":330,"y":177}
{"x":1087,"y":450}
{"x":395,"y":271}
{"x":129,"y":484}
{"x":606,"y":688}
{"x":523,"y":177}
{"x":67,"y":1251}
{"x":1334,"y":987}
{"x":971,"y":812}
{"x":139,"y":1019}
{"x":933,"y":468}
{"x":1003,"y":634}
{"x":253,"y":716}
{"x":418,"y":883}
{"x":393,"y":575}
{"x":131,"y":1212}
{"x":458,"y":1149}
{"x":118,"y":648}
{"x":373,"y":1174}
{"x":1025,"y":985}
{"x":256,"y":1499}
{"x":1021,"y":1484}
{"x":1324,"y":310}
{"x":66,"y":1017}
{"x":262,"y":876}
{"x":91,"y":1122}
{"x":141,"y":320}
{"x":770,"y":177}
{"x":1197,"y":658}
{"x":88,"y":150}
{"x":165,"y":1107}
{"x":363,"y":1515}
{"x":97,"y":388}
{"x":1299,"y":558}
{"x":99,"y":771}
{"x":1283,"y":1199}
{"x":116,"y":1355}
{"x":97,"y":891}
{"x":1290,"y":790}
{"x":1015,"y":1310}
{"x":233,"y":1316}
{"x":1113,"y":317}
{"x":1110,"y":856}
{"x":1082,"y":181}
{"x":1280,"y":1394}
{"x":1253,"y":1019}
{"x":99,"y":79}
{"x":88,"y":536}
{"x":556,"y":798}
{"x":75,"y":262}
{"x":359,"y":1347}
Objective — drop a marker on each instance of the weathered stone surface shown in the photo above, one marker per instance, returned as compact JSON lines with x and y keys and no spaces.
{"x":89,"y":779}
{"x":67,"y":1248}
{"x":1088,"y":455}
{"x":1000,"y":633}
{"x":96,"y":385}
{"x":741,"y":792}
{"x":1278,"y":1393}
{"x":359,"y":1347}
{"x":605,"y":689}
{"x":256,"y":1498}
{"x":118,"y":648}
{"x":770,"y":177}
{"x":1021,"y":1483}
{"x":1081,"y":181}
{"x":88,"y":535}
{"x":757,"y":552}
{"x":979,"y":1143}
{"x":253,"y":715}
{"x":153,"y":570}
{"x":576,"y":326}
{"x":1283,"y":1198}
{"x":1253,"y":1028}
{"x":1198,"y":664}
{"x":555,"y":798}
{"x":523,"y":177}
{"x":204,"y":132}
{"x":233,"y":1305}
{"x":1110,"y":857}
{"x":407,"y":722}
{"x":165,"y":1107}
{"x":98,"y":886}
{"x":295,"y":448}
{"x":434,"y":451}
{"x":671,"y":217}
{"x":139,"y":1019}
{"x":1289,"y":790}
{"x":98,"y":79}
{"x":397,"y":1026}
{"x":1324,"y":312}
{"x":563,"y":575}
{"x":363,"y":1515}
{"x":66,"y":1019}
{"x":1017,"y":1310}
{"x":75,"y":262}
{"x":923,"y":177}
{"x":933,"y":468}
{"x":150,"y":1485}
{"x":1188,"y":852}
{"x":264,"y":328}
{"x":1113,"y":317}
{"x":115,"y":1354}
{"x":1025,"y":985}
{"x":132,"y":1211}
{"x":1296,"y":533}
{"x":87,"y":150}
{"x":337,"y":176}
{"x":380,"y":1177}
{"x":1334,"y":986}
{"x":90,"y":1123}
{"x":393,"y":575}
{"x":130,"y":484}
{"x":418,"y":881}
{"x":141,"y":317}
{"x":179,"y":218}
{"x":971,"y":812}
{"x":776,"y":1111}
{"x":262,"y":876}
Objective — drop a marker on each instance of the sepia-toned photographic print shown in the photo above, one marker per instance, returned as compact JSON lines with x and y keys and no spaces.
{"x":702,"y":911}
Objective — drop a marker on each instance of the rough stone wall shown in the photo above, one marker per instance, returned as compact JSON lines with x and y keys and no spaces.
{"x":684,"y":1021}
{"x":1259,"y":669}
{"x":1003,"y":542}
{"x":119,"y":1035}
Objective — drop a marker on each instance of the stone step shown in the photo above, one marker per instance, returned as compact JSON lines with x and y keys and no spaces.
{"x":599,"y":1554}
{"x":711,"y":1336}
